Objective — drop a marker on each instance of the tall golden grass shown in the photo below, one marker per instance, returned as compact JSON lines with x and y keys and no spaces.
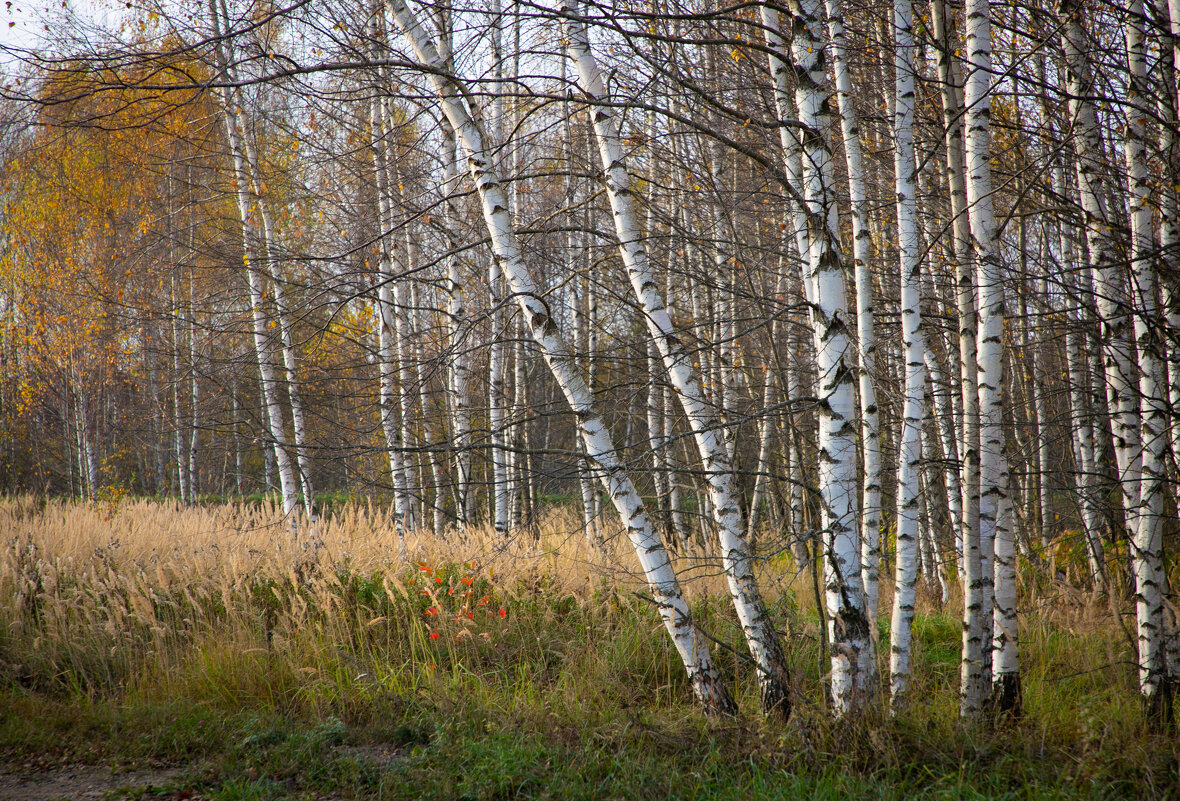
{"x":95,"y":593}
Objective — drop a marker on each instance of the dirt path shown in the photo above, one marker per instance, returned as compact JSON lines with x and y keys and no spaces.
{"x":77,"y":783}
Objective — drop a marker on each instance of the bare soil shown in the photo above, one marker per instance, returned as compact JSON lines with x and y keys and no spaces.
{"x":77,"y":782}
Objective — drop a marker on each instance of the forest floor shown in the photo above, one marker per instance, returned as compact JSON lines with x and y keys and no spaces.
{"x":157,"y":652}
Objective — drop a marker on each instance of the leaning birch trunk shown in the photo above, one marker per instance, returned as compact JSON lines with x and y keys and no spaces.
{"x":862,"y":255}
{"x":1147,"y":540}
{"x":914,"y":347}
{"x":994,"y":511}
{"x":271,"y":270}
{"x":254,"y":278}
{"x":706,"y":680}
{"x":853,"y":660}
{"x":757,"y":624}
{"x":290,"y":364}
{"x":973,"y":687}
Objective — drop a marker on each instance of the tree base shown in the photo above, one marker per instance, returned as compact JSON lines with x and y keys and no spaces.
{"x":1158,"y":707}
{"x":776,"y":699}
{"x":1006,"y":699}
{"x":714,"y":697}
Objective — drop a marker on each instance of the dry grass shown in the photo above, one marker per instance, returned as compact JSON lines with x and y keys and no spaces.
{"x":117,"y":613}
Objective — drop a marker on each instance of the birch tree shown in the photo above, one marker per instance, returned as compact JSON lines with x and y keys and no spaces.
{"x":757,"y":625}
{"x":995,"y":505}
{"x":255,"y":274}
{"x":910,"y":449}
{"x":703,"y":674}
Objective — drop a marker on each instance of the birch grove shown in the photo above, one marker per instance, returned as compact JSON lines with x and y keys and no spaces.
{"x":877,"y":306}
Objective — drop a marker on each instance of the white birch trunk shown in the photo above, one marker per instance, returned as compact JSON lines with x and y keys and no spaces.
{"x":765,"y":438}
{"x":931,"y":454}
{"x":177,"y":413}
{"x":914,"y":347}
{"x":757,"y":625}
{"x":655,"y":436}
{"x":849,"y":629}
{"x":862,"y":255}
{"x":387,"y":404}
{"x":194,"y":392}
{"x":254,"y":276}
{"x":286,"y":341}
{"x":497,"y":355}
{"x":459,"y":376}
{"x":694,"y":652}
{"x":1170,"y":208}
{"x":944,"y":422}
{"x":1105,"y":262}
{"x":974,"y":688}
{"x":994,"y":514}
{"x":405,"y":378}
{"x":1147,"y":540}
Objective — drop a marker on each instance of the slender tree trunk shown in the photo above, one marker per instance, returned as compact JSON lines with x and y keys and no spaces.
{"x":194,"y":393}
{"x":1170,"y":208}
{"x":282,"y":312}
{"x":862,"y":254}
{"x":914,"y":345}
{"x":459,"y":377}
{"x":995,"y":503}
{"x":849,"y":628}
{"x":498,"y":353}
{"x":974,"y":688}
{"x":1147,"y":538}
{"x":385,"y":322}
{"x":758,"y":626}
{"x":254,"y":276}
{"x":182,"y":482}
{"x":710,"y":689}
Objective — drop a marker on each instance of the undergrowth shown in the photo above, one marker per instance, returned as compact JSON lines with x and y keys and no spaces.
{"x":478,"y":669}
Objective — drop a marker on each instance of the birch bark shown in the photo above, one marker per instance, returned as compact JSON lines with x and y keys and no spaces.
{"x":707,"y":683}
{"x":757,"y":624}
{"x":995,"y":504}
{"x":973,"y":688}
{"x":849,"y":627}
{"x":862,"y":255}
{"x":254,"y":276}
{"x":914,"y":346}
{"x":1147,"y":539}
{"x":387,"y":399}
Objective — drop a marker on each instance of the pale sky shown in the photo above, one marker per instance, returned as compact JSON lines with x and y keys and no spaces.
{"x":23,"y":22}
